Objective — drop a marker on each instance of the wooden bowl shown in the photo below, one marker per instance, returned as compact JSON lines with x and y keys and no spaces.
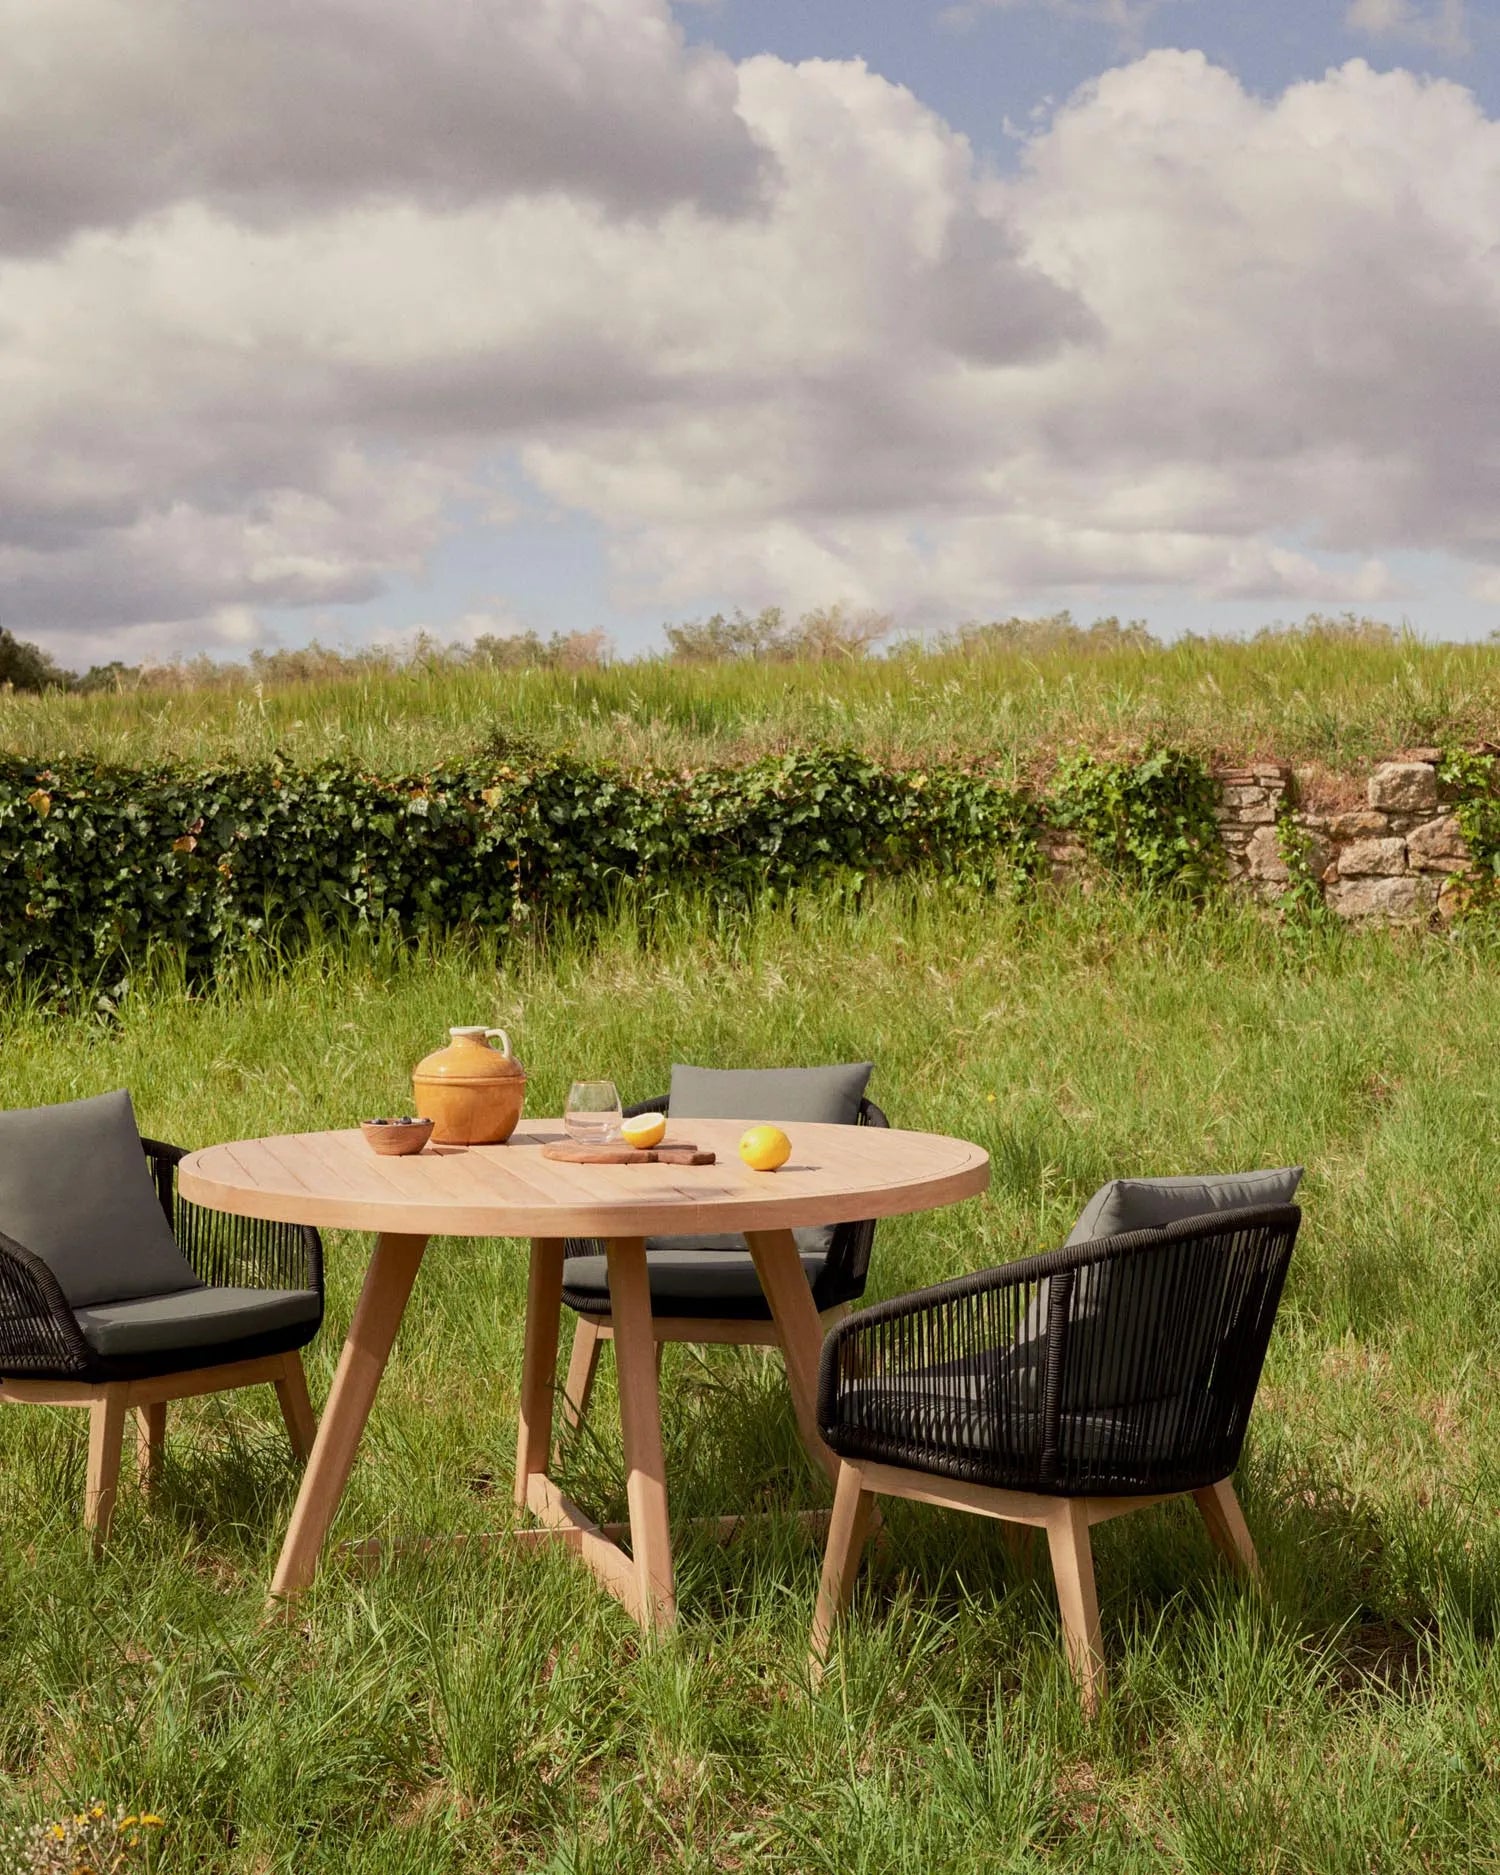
{"x":395,"y":1138}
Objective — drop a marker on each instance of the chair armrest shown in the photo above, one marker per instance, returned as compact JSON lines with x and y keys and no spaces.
{"x":947,"y":1322}
{"x":39,"y":1333}
{"x":234,"y":1252}
{"x":657,"y":1104}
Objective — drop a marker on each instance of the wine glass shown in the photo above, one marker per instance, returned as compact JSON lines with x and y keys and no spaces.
{"x":592,"y":1115}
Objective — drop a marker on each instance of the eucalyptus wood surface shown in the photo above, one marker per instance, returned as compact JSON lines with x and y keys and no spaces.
{"x":836,"y":1175}
{"x":333,"y":1180}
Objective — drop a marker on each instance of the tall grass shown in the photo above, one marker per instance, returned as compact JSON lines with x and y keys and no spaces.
{"x":1319,"y":695}
{"x":468,"y":1712}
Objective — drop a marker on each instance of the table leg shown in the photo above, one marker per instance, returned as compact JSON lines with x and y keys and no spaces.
{"x":640,"y":1422}
{"x":539,"y":1361}
{"x":784,"y":1281}
{"x":382,"y":1302}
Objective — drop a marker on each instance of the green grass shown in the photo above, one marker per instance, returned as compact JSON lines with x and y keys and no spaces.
{"x":1323,"y":695}
{"x":460,"y":1712}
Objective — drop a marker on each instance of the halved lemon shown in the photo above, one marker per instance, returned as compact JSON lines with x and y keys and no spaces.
{"x":763,"y":1148}
{"x":646,"y":1129}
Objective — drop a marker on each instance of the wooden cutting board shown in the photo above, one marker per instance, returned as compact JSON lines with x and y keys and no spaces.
{"x":670,"y":1152}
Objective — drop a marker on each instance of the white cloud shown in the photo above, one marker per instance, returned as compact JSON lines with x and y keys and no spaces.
{"x":110,"y":109}
{"x":1438,"y":25}
{"x":1202,"y":342}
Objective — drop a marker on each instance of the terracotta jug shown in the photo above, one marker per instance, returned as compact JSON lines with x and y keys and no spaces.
{"x":471,"y":1092}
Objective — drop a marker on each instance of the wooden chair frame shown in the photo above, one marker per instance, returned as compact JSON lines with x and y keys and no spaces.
{"x":593,"y":1331}
{"x":109,"y":1402}
{"x":1066,"y":1520}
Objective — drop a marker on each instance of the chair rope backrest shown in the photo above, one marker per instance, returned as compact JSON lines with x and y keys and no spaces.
{"x":1155,"y":1342}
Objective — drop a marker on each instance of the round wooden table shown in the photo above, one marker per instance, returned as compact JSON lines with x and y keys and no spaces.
{"x":836,"y":1174}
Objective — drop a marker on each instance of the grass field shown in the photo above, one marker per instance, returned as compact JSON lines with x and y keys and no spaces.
{"x":1329,"y":696}
{"x":468,"y":1713}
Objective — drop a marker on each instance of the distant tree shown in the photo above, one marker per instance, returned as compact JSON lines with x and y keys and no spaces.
{"x":721,"y":640}
{"x":832,"y":631}
{"x":1057,"y":631}
{"x":1341,"y":628}
{"x":26,"y":666}
{"x":528,"y":650}
{"x":112,"y":676}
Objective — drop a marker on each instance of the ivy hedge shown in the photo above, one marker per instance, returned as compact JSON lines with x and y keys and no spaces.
{"x":101,"y":865}
{"x":1471,"y":779}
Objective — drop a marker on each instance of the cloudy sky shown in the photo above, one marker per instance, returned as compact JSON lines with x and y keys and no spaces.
{"x":349,"y":317}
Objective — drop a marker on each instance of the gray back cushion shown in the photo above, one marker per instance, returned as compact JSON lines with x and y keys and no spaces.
{"x":831,"y":1095}
{"x":75,"y":1190}
{"x":1149,"y":1203}
{"x":1116,"y":1313}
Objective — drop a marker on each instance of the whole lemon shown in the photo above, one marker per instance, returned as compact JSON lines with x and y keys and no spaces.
{"x":763,"y":1148}
{"x":646,"y":1129}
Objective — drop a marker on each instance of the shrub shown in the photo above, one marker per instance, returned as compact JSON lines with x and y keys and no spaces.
{"x":1151,"y":820}
{"x":99,"y":864}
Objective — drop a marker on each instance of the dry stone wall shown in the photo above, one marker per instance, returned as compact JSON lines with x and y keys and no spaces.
{"x":1400,"y":856}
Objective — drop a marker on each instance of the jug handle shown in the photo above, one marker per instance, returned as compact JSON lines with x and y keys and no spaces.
{"x":504,"y":1039}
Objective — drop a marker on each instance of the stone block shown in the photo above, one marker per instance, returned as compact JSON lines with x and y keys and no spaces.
{"x":1263,"y":857}
{"x":1454,"y":898}
{"x":1360,"y":823}
{"x":1386,"y":899}
{"x":1406,"y":786}
{"x":1372,"y":859}
{"x":1438,"y":846}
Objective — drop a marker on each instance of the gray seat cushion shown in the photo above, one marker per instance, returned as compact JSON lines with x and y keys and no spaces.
{"x":692,"y":1281}
{"x":194,"y":1318}
{"x":777,"y":1095}
{"x":812,"y":1240}
{"x":961,"y":1410}
{"x":75,"y":1190}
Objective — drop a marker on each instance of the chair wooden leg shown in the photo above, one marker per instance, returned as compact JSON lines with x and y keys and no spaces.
{"x":848,"y":1527}
{"x":583,"y":1365}
{"x":296,"y":1407}
{"x":106,"y":1442}
{"x":150,"y":1431}
{"x":1077,"y":1600}
{"x":1227,"y":1527}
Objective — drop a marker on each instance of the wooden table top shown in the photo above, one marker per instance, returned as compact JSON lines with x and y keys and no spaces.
{"x":836,"y":1174}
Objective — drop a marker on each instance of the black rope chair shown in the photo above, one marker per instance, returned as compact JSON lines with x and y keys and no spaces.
{"x":260,"y":1303}
{"x":1058,"y":1392}
{"x":706,"y":1290}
